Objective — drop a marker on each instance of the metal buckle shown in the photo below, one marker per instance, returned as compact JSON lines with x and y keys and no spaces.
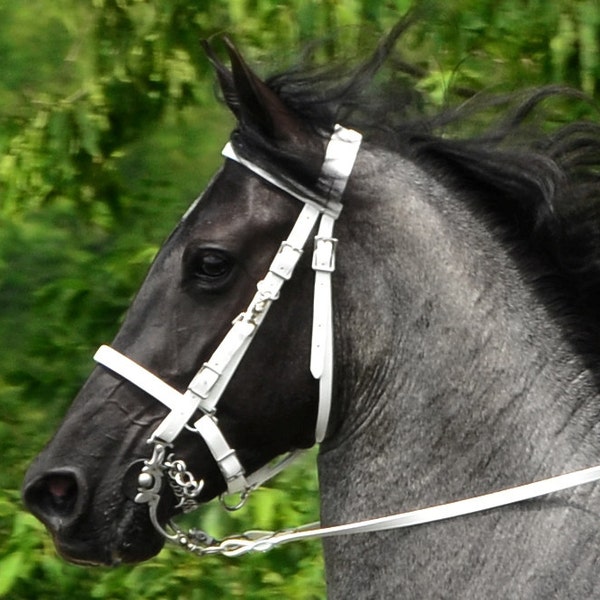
{"x":285,"y":260}
{"x":203,"y":382}
{"x":324,"y":254}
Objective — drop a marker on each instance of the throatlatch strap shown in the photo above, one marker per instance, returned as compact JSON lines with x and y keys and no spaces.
{"x":337,"y":167}
{"x":321,"y":356}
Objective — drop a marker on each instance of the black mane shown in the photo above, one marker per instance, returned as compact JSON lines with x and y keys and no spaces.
{"x":542,"y":181}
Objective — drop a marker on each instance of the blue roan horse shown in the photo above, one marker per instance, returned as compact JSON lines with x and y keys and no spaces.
{"x":466,"y":344}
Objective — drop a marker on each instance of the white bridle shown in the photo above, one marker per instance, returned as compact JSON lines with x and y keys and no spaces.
{"x":206,"y":388}
{"x":208,"y":385}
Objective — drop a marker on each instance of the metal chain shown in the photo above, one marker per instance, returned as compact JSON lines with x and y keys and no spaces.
{"x":184,"y":485}
{"x":186,"y":488}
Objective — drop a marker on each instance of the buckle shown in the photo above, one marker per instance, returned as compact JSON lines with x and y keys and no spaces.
{"x":324,"y":254}
{"x":285,"y":260}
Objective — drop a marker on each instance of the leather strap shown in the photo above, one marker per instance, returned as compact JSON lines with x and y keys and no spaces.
{"x":321,"y":356}
{"x":181,"y":406}
{"x":261,"y":541}
{"x":224,"y":455}
{"x":340,"y":156}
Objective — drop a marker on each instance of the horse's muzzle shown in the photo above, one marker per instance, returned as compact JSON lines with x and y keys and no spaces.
{"x":60,"y":498}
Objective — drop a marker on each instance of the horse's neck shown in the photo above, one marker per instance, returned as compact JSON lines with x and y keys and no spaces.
{"x":460,"y":383}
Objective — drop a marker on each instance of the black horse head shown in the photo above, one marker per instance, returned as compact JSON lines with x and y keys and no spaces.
{"x":83,"y":485}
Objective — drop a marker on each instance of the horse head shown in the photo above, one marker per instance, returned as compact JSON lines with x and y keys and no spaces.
{"x":84,"y":484}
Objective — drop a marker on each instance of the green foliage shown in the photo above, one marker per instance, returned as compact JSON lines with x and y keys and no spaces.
{"x":108,"y":129}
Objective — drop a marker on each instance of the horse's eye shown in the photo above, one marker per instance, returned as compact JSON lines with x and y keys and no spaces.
{"x":211,"y":266}
{"x":207,"y":267}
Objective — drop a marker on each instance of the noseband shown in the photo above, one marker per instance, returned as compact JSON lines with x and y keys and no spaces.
{"x":207,"y":386}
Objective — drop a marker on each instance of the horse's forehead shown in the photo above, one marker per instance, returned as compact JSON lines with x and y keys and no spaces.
{"x":236,"y":200}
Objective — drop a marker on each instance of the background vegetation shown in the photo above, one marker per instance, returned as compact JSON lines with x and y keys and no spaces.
{"x":108,"y":129}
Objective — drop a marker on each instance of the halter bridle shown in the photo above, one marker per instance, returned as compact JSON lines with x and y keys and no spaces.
{"x":208,"y":385}
{"x":206,"y":388}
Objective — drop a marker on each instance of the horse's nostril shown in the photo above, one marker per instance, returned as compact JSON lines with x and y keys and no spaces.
{"x":53,"y":497}
{"x":61,"y":493}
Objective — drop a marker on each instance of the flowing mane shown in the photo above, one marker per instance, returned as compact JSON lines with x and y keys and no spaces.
{"x":539,"y":180}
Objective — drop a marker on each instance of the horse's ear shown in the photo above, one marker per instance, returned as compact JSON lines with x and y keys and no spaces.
{"x":252,"y":101}
{"x":225,"y":78}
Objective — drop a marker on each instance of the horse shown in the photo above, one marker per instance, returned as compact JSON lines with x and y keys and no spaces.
{"x":458,"y":354}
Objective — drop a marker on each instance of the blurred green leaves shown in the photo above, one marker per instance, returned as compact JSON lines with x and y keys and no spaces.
{"x":108,"y":129}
